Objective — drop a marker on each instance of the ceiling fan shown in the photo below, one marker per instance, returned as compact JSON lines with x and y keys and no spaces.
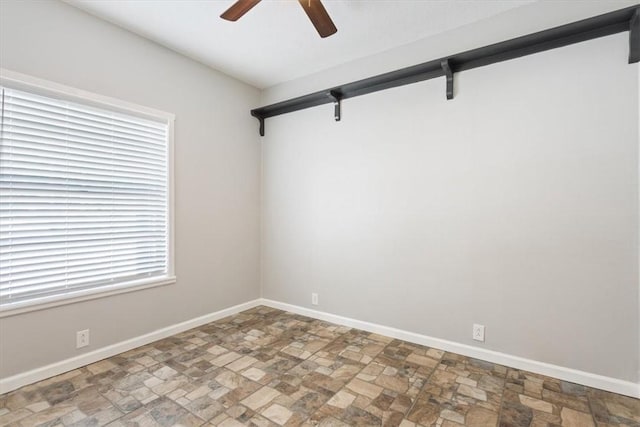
{"x":314,"y":8}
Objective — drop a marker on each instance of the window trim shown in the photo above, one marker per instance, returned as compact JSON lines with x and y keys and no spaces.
{"x":48,"y":88}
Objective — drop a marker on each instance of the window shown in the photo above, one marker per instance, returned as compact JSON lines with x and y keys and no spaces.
{"x":84,"y":196}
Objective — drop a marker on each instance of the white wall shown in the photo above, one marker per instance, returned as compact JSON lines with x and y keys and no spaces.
{"x":514,"y":205}
{"x":217,"y":163}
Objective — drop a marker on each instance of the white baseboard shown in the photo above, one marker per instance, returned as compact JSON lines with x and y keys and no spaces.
{"x":567,"y":374}
{"x":14,"y":382}
{"x":580,"y":377}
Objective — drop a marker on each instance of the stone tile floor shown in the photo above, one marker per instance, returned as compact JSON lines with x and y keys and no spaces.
{"x":266,"y":367}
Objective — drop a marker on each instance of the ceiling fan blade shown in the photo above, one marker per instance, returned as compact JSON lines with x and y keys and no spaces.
{"x":319,"y":17}
{"x":238,"y":9}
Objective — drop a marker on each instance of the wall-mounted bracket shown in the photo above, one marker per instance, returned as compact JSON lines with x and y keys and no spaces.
{"x":261,"y":120}
{"x":336,"y":97}
{"x":446,"y":67}
{"x":618,"y":21}
{"x":634,"y":38}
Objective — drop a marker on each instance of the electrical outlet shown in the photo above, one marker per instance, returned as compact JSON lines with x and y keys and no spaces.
{"x":82,"y":338}
{"x":478,"y":332}
{"x":314,"y":299}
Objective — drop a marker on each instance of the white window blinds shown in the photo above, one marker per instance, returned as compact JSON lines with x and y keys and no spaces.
{"x":83,"y":198}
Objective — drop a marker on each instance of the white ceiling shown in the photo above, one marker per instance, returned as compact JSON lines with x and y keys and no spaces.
{"x":275,"y":42}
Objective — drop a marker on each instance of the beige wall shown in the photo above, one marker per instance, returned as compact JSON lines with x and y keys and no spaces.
{"x":217,"y":163}
{"x":514,"y":206}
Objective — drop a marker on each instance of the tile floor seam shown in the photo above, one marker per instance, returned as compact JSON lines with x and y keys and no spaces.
{"x":344,"y":386}
{"x":502,"y":400}
{"x":426,"y":381}
{"x":113,"y":404}
{"x":117,"y":419}
{"x":192,"y":413}
{"x":591,"y":411}
{"x":300,"y":363}
{"x":355,"y":376}
{"x":195,"y":415}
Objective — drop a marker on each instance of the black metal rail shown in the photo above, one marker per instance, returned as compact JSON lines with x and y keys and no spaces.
{"x":627,"y":19}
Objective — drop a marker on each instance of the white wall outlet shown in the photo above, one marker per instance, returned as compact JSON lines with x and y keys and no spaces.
{"x":82,"y":338}
{"x":314,"y":299}
{"x":478,"y":332}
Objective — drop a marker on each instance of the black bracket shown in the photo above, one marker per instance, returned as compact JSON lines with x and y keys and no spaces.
{"x":261,"y":120}
{"x":634,"y":38}
{"x":617,"y":21}
{"x":448,"y":73}
{"x":336,"y":97}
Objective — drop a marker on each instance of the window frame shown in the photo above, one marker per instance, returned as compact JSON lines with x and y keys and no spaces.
{"x":43,"y":87}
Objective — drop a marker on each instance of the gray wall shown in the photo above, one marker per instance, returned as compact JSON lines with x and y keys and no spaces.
{"x":217,"y":163}
{"x":514,"y":205}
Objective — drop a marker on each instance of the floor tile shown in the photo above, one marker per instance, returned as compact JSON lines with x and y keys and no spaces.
{"x":266,"y":367}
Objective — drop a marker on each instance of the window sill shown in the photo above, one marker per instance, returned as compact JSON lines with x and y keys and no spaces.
{"x":84,"y":295}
